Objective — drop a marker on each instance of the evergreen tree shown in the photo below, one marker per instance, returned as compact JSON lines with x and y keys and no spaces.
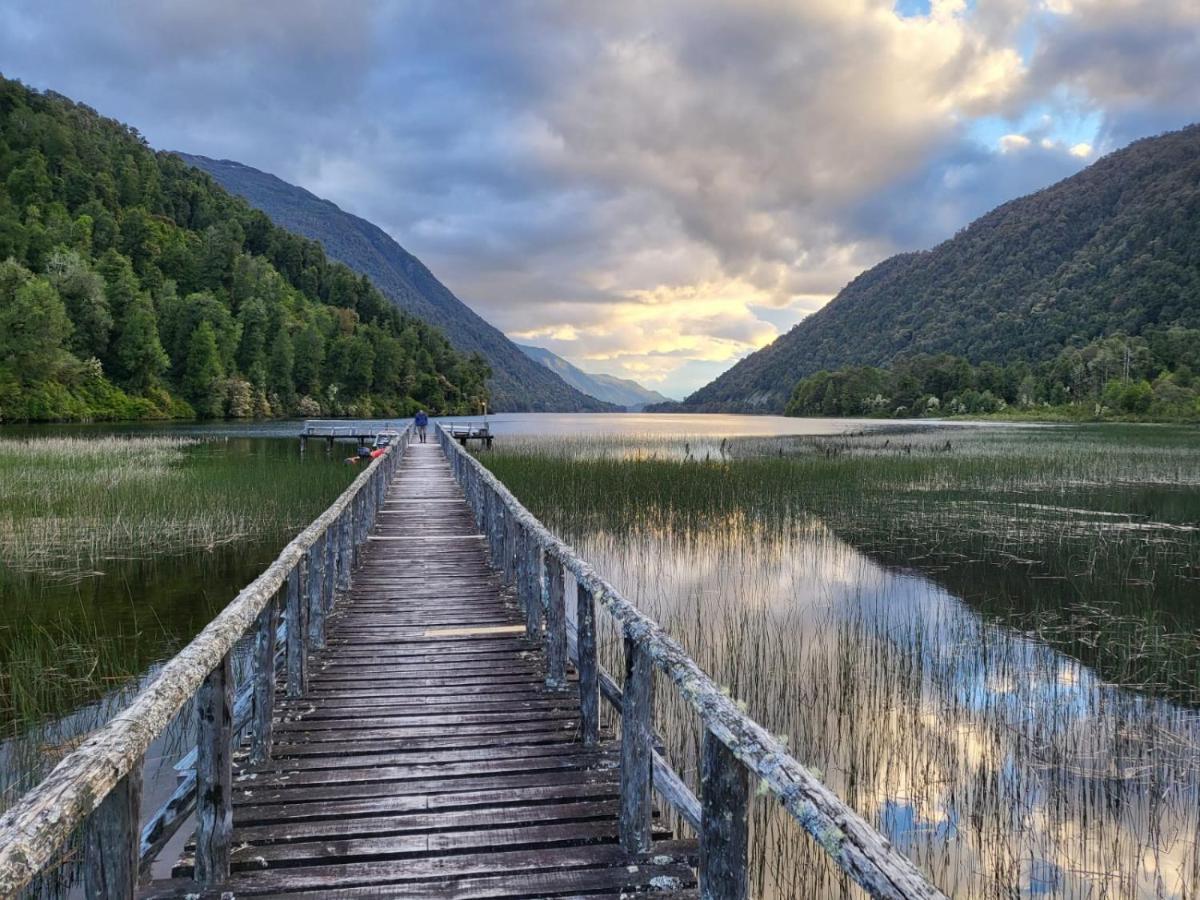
{"x":309,"y":359}
{"x":82,"y":290}
{"x":139,"y":353}
{"x":33,"y":324}
{"x":203,"y":372}
{"x":279,"y":372}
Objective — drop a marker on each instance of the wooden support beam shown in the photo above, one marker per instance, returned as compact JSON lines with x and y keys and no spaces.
{"x":556,"y":623}
{"x":637,"y":734}
{"x":588,"y":665}
{"x":724,"y":823}
{"x":264,"y":681}
{"x":297,"y":648}
{"x":112,"y":840}
{"x":214,"y":774}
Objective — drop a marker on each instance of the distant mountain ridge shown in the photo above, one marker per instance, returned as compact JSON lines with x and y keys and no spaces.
{"x":518,"y":384}
{"x":1115,"y":247}
{"x":619,"y":391}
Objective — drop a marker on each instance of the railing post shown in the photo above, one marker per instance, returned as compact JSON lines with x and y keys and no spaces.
{"x":520,"y":578}
{"x":315,"y":582}
{"x":493,"y":521}
{"x":724,"y":829}
{"x":511,"y":534}
{"x":589,"y":667}
{"x":329,"y":588}
{"x":637,"y":758}
{"x":533,"y":585}
{"x":556,"y":623}
{"x":297,"y":646}
{"x":214,"y":774}
{"x":112,"y":840}
{"x":264,"y":681}
{"x":343,"y":539}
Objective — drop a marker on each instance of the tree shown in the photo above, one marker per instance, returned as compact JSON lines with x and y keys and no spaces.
{"x":139,"y":353}
{"x":279,"y":371}
{"x":309,"y":357}
{"x":203,"y":372}
{"x":33,"y":324}
{"x":251,"y":353}
{"x":82,"y":290}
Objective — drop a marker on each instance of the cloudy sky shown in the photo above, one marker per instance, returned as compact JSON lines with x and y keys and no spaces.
{"x":652,"y":189}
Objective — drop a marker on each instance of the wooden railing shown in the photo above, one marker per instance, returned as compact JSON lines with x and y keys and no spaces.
{"x":98,"y":786}
{"x":734,"y":747}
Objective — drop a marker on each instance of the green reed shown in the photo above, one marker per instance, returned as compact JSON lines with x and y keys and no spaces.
{"x":113,"y":551}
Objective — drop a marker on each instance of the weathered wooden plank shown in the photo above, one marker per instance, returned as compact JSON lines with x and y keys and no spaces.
{"x":588,"y":665}
{"x":425,"y":821}
{"x":449,"y":870}
{"x":724,"y":825}
{"x":405,"y":847}
{"x":214,"y":777}
{"x":637,"y":731}
{"x":466,"y":800}
{"x":111,"y":840}
{"x":252,"y":806}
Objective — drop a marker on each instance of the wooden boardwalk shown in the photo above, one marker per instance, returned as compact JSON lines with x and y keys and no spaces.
{"x":428,"y":758}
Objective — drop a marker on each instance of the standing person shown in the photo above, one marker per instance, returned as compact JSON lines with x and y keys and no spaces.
{"x":422,"y":422}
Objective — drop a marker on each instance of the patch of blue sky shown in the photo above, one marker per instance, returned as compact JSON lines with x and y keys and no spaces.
{"x":911,"y":9}
{"x":1062,"y":120}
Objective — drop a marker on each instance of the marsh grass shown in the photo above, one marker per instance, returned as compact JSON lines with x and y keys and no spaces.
{"x":69,"y":504}
{"x":115,"y":550}
{"x":984,"y":641}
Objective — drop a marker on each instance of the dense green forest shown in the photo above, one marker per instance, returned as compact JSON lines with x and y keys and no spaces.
{"x":518,"y":384}
{"x":132,"y":286}
{"x":1155,"y":375}
{"x":1113,"y":249}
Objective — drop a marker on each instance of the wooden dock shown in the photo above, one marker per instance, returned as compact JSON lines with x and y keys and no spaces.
{"x":428,"y":758}
{"x":402,"y":704}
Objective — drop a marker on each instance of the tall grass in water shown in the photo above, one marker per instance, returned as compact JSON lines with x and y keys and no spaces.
{"x":113,"y":551}
{"x":896,"y":610}
{"x":71,"y":503}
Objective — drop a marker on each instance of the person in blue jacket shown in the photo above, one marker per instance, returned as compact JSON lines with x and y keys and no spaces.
{"x":422,"y":422}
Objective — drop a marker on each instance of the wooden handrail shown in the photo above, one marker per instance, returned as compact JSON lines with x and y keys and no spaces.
{"x":34,"y":829}
{"x":730,"y":735}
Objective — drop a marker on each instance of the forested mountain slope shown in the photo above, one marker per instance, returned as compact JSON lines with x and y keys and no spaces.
{"x":132,"y":286}
{"x":623,"y":392}
{"x":1115,"y":248}
{"x":517,"y":382}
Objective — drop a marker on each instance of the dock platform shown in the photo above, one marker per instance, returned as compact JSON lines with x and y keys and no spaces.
{"x":428,"y":758}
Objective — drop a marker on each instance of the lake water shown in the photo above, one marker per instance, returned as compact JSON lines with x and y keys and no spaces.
{"x":983,"y":637}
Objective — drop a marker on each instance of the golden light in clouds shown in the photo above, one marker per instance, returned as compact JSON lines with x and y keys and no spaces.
{"x":649,"y":334}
